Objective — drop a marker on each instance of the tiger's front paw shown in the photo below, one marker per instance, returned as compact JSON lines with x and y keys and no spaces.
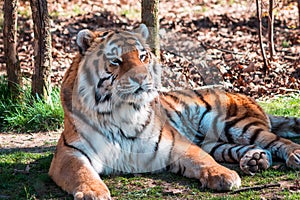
{"x":255,"y":160}
{"x":219,"y":178}
{"x":293,"y":160}
{"x":85,"y":192}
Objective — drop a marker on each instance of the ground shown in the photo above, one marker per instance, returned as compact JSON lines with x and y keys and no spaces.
{"x":223,"y":37}
{"x":26,"y":140}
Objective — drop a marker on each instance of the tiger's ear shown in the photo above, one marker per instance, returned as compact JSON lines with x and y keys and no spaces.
{"x":143,"y":31}
{"x":84,"y":39}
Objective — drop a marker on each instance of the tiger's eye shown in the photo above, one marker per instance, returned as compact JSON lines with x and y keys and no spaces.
{"x":116,"y":62}
{"x":142,"y":57}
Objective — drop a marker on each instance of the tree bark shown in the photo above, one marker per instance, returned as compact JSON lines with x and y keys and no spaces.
{"x":10,"y":47}
{"x":41,"y":80}
{"x":299,"y":13}
{"x":150,"y":19}
{"x":266,"y":63}
{"x":271,"y":29}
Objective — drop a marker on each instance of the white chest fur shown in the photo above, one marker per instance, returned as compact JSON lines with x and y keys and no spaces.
{"x":126,"y":141}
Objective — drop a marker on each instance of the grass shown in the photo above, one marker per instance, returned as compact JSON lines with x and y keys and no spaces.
{"x":283,"y":105}
{"x":17,"y":182}
{"x":29,"y":114}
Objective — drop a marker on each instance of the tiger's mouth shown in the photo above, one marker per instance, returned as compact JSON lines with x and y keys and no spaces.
{"x":139,"y":95}
{"x":139,"y":91}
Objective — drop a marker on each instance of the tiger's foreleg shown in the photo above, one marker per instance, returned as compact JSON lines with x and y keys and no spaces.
{"x":251,"y":158}
{"x":72,"y":171}
{"x":193,"y":162}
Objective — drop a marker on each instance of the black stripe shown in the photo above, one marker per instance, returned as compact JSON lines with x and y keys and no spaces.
{"x":296,"y":127}
{"x":223,"y":155}
{"x":230,"y":124}
{"x":146,"y":124}
{"x":183,"y":170}
{"x":172,"y":146}
{"x":97,"y":97}
{"x":255,"y":135}
{"x":123,"y":134}
{"x":230,"y":153}
{"x":159,"y":139}
{"x":105,"y":33}
{"x":101,"y":81}
{"x":73,"y":147}
{"x":136,"y":107}
{"x":107,"y":70}
{"x":171,"y":105}
{"x":106,"y":98}
{"x":277,"y":151}
{"x":96,"y":65}
{"x":272,"y":143}
{"x":198,"y":139}
{"x":207,"y":106}
{"x":169,"y":116}
{"x":215,"y":148}
{"x":232,"y":110}
{"x":255,"y":123}
{"x":105,"y":113}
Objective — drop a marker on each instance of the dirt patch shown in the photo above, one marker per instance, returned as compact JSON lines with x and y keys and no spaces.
{"x":10,"y":141}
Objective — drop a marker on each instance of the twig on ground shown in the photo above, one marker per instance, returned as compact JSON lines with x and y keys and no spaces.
{"x":258,"y":187}
{"x":224,"y":50}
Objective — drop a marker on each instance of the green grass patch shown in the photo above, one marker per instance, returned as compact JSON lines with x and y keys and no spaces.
{"x":24,"y":175}
{"x":29,"y":114}
{"x":283,"y":105}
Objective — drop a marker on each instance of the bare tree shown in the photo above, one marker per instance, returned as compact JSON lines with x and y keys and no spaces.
{"x":271,"y":29}
{"x":299,"y":13}
{"x":10,"y":47}
{"x":150,"y":19}
{"x":258,"y":9}
{"x":41,"y":82}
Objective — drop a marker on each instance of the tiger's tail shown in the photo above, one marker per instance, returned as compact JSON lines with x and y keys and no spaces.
{"x":287,"y":127}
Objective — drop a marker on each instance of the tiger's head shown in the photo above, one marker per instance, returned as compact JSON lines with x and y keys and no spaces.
{"x":116,"y":67}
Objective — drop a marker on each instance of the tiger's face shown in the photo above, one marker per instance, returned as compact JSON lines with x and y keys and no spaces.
{"x":117,"y":67}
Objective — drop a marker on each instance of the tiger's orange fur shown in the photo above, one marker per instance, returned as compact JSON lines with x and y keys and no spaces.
{"x":117,"y":121}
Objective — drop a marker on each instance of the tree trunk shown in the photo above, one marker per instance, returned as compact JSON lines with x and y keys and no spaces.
{"x":41,"y":80}
{"x":271,"y":29}
{"x":299,"y":13}
{"x":150,"y":19}
{"x":266,"y":63}
{"x":10,"y":47}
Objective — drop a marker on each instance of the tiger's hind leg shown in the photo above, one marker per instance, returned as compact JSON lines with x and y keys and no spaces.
{"x":278,"y":146}
{"x":287,"y":127}
{"x":251,"y":158}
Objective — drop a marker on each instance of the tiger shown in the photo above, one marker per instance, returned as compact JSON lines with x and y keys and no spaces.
{"x":118,"y":119}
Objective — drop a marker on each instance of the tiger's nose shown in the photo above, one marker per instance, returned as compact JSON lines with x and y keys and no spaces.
{"x":139,"y":78}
